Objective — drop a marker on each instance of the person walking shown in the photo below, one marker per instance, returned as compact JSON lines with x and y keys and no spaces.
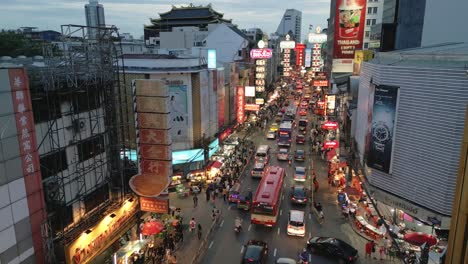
{"x":199,"y":231}
{"x":316,"y":185}
{"x":192,"y":225}
{"x":373,"y":249}
{"x":225,"y":194}
{"x":207,"y":192}
{"x":368,"y":249}
{"x":195,"y":200}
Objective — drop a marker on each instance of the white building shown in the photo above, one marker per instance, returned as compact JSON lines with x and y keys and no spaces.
{"x":291,"y":22}
{"x":373,"y":17}
{"x":94,"y":16}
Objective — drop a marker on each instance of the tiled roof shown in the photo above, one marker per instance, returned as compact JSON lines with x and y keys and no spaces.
{"x":238,"y":31}
{"x":190,"y":12}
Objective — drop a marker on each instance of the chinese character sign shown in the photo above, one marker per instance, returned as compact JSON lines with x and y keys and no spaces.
{"x":240,"y":104}
{"x":286,"y":62}
{"x":261,"y":53}
{"x":299,"y":49}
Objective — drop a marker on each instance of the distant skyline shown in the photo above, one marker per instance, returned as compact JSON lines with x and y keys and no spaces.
{"x":130,"y":15}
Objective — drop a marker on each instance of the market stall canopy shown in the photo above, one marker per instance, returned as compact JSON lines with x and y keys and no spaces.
{"x":419,"y":238}
{"x":217,"y":164}
{"x":152,"y":228}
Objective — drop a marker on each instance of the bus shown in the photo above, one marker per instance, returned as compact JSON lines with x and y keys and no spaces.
{"x":267,"y":200}
{"x":285,"y":134}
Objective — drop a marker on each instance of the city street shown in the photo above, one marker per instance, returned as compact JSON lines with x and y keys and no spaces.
{"x":227,"y":246}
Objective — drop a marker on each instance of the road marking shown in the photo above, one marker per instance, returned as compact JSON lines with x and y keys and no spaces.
{"x":274,"y":253}
{"x":282,"y":197}
{"x":281,"y":212}
{"x":229,"y":207}
{"x":211,"y":244}
{"x":242,"y":249}
{"x":250,"y":226}
{"x":310,"y":216}
{"x":222,"y":222}
{"x":310,"y":235}
{"x":310,"y":258}
{"x":278,"y":230}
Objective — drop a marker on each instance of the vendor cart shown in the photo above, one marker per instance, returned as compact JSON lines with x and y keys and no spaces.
{"x":182,"y":192}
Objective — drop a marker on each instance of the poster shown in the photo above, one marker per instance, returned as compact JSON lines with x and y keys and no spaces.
{"x":178,"y":108}
{"x":382,"y":127}
{"x":349,"y":31}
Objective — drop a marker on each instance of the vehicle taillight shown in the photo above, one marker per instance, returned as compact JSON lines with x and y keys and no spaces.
{"x":293,"y":199}
{"x":350,"y":258}
{"x":305,"y":199}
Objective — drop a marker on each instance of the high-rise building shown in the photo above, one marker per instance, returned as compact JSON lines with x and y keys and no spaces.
{"x":374,"y":10}
{"x":291,"y":24}
{"x":94,"y":15}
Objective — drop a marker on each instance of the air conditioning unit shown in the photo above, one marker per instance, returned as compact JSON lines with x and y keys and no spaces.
{"x":78,"y":125}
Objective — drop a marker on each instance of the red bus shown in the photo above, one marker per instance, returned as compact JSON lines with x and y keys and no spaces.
{"x":267,"y":200}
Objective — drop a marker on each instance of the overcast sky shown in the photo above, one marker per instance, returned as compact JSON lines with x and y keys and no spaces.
{"x":130,"y":15}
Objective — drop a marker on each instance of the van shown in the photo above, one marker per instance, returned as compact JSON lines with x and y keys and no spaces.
{"x":263,"y":153}
{"x":233,"y":195}
{"x":296,"y":224}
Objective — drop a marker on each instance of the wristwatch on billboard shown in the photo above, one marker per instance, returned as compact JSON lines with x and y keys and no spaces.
{"x":381,"y":135}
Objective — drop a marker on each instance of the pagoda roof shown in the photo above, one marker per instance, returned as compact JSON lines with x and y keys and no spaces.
{"x":191,"y":11}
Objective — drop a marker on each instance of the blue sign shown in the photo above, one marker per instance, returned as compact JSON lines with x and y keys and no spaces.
{"x":211,"y":59}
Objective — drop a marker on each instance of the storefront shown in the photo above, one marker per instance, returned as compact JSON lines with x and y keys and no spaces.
{"x":100,"y":237}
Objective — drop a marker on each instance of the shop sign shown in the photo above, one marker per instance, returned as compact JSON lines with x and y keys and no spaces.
{"x":252,"y":107}
{"x":331,"y":144}
{"x":321,"y":83}
{"x":349,"y":30}
{"x":330,"y":125}
{"x":154,"y":205}
{"x":250,"y":91}
{"x":259,"y":101}
{"x":321,"y":103}
{"x":259,"y":89}
{"x":308,"y":58}
{"x":240,"y":104}
{"x":331,"y":99}
{"x":317,"y":37}
{"x":320,"y":76}
{"x":261,"y":53}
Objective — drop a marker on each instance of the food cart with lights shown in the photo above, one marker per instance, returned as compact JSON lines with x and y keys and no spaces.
{"x":127,"y":252}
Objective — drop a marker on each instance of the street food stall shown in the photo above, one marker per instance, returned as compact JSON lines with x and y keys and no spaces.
{"x":176,"y":179}
{"x":182,"y":191}
{"x":131,"y":251}
{"x":197,"y":176}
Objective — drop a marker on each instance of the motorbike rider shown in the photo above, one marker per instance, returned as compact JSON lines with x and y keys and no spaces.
{"x":238,"y":224}
{"x":304,"y":256}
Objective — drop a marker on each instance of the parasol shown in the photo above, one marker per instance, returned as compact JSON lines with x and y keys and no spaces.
{"x":152,"y":228}
{"x":419,"y":238}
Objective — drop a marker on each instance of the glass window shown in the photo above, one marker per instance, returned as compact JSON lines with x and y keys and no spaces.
{"x":374,"y":21}
{"x":263,"y":209}
{"x":366,"y":45}
{"x":367,"y":34}
{"x":374,"y":10}
{"x":90,"y":147}
{"x":369,"y":10}
{"x":368,"y":22}
{"x":53,"y":163}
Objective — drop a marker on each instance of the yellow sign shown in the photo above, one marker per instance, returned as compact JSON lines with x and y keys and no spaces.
{"x":359,"y":57}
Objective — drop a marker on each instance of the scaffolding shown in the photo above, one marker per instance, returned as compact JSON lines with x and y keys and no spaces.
{"x":83,"y":79}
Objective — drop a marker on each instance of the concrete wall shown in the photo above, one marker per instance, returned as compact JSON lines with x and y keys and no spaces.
{"x":226,"y":42}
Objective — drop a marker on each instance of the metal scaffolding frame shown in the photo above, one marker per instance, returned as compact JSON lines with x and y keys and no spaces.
{"x":84,"y":71}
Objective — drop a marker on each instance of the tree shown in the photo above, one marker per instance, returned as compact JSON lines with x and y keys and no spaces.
{"x":14,"y":44}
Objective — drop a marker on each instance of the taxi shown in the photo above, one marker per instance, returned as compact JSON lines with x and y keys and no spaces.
{"x":274,"y":127}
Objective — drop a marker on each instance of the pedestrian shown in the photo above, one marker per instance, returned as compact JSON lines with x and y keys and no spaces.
{"x":199,"y":232}
{"x":224,"y":194}
{"x":316,"y":185}
{"x":387,"y":245}
{"x":170,"y":243}
{"x":345,"y":212}
{"x":213,"y":197}
{"x":373,"y":249}
{"x":368,"y":249}
{"x":192,"y":225}
{"x":381,"y":252}
{"x":207,"y":192}
{"x":195,"y":200}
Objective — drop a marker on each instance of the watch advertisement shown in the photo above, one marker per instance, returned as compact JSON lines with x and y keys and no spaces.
{"x":382,"y":127}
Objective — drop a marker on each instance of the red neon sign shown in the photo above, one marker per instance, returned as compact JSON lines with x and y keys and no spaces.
{"x":331,"y":144}
{"x":240,"y":104}
{"x":320,"y":83}
{"x":330,"y":125}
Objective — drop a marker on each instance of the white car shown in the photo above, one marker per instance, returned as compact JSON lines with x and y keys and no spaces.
{"x":283,"y":154}
{"x":296,"y":223}
{"x":300,"y":174}
{"x":271,"y":135}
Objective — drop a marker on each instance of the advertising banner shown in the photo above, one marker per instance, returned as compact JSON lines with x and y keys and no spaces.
{"x":261,"y":53}
{"x":252,"y":107}
{"x":321,"y":83}
{"x":382,"y":128}
{"x":240,"y":104}
{"x":154,"y":205}
{"x":308,"y":58}
{"x":259,"y":101}
{"x":349,"y":28}
{"x":359,"y":57}
{"x":330,"y":125}
{"x":331,"y":144}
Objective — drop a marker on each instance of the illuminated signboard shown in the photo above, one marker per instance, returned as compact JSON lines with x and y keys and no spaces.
{"x":249,"y":91}
{"x":259,"y":101}
{"x":330,"y":125}
{"x":240,"y":104}
{"x":320,"y":83}
{"x":252,"y":107}
{"x":331,"y":144}
{"x":261,"y":53}
{"x":299,"y":49}
{"x":211,"y":59}
{"x":308,"y":58}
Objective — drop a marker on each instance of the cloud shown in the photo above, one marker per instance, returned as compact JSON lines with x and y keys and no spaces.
{"x":131,"y":15}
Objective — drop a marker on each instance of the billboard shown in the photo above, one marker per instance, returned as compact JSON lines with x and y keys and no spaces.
{"x":252,"y":107}
{"x":308,"y":58}
{"x":261,"y":53}
{"x":380,"y":136}
{"x":211,"y":59}
{"x":321,"y":83}
{"x":349,"y":30}
{"x":359,"y":57}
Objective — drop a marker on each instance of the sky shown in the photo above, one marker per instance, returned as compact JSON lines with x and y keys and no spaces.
{"x":130,"y":15}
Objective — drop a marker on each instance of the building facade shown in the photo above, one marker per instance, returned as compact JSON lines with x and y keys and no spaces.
{"x":94,"y":15}
{"x":291,"y":23}
{"x":410,"y":148}
{"x":374,"y":13}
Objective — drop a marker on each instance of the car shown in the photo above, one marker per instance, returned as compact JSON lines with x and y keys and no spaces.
{"x":299,"y":155}
{"x":296,"y":223}
{"x":303,"y":111}
{"x":244,"y":201}
{"x":299,"y":195}
{"x":274,"y":127}
{"x":300,"y":139}
{"x":256,"y":252}
{"x":271,"y":135}
{"x":334,"y":248}
{"x":283,"y":154}
{"x":304,"y":103}
{"x":300,"y":174}
{"x":258,"y":169}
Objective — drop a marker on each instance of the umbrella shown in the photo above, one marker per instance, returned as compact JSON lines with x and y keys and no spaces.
{"x":351,"y":191}
{"x":152,"y":228}
{"x":419,"y":238}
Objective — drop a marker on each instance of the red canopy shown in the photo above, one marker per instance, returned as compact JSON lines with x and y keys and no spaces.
{"x":331,"y":154}
{"x":152,"y":228}
{"x":419,"y":238}
{"x":217,"y":164}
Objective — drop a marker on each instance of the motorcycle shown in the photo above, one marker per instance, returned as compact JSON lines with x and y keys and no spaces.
{"x":238,"y":225}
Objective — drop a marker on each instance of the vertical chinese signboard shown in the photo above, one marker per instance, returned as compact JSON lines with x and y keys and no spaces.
{"x":260,"y":65}
{"x":286,"y":47}
{"x":154,"y":142}
{"x":240,"y":104}
{"x":299,"y":49}
{"x":20,"y":94}
{"x":308,"y":58}
{"x":317,"y":39}
{"x":349,"y":31}
{"x":384,"y":108}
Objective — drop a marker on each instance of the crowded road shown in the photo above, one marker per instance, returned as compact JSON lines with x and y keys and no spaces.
{"x":227,"y":246}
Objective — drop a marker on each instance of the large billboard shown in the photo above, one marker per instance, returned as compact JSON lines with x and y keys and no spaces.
{"x":381,"y":130}
{"x":349,"y":31}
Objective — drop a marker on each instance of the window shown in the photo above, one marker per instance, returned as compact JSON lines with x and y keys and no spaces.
{"x":369,"y":10}
{"x":239,"y":53}
{"x":53,"y":163}
{"x":367,"y":34}
{"x":88,"y":100}
{"x":97,"y":197}
{"x":45,"y":109}
{"x":374,"y":21}
{"x":62,"y":216}
{"x":366,"y":45}
{"x":374,"y":10}
{"x":90,"y":147}
{"x":368,"y":22}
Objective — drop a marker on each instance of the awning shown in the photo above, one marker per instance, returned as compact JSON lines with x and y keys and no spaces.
{"x":331,"y":154}
{"x":217,"y":164}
